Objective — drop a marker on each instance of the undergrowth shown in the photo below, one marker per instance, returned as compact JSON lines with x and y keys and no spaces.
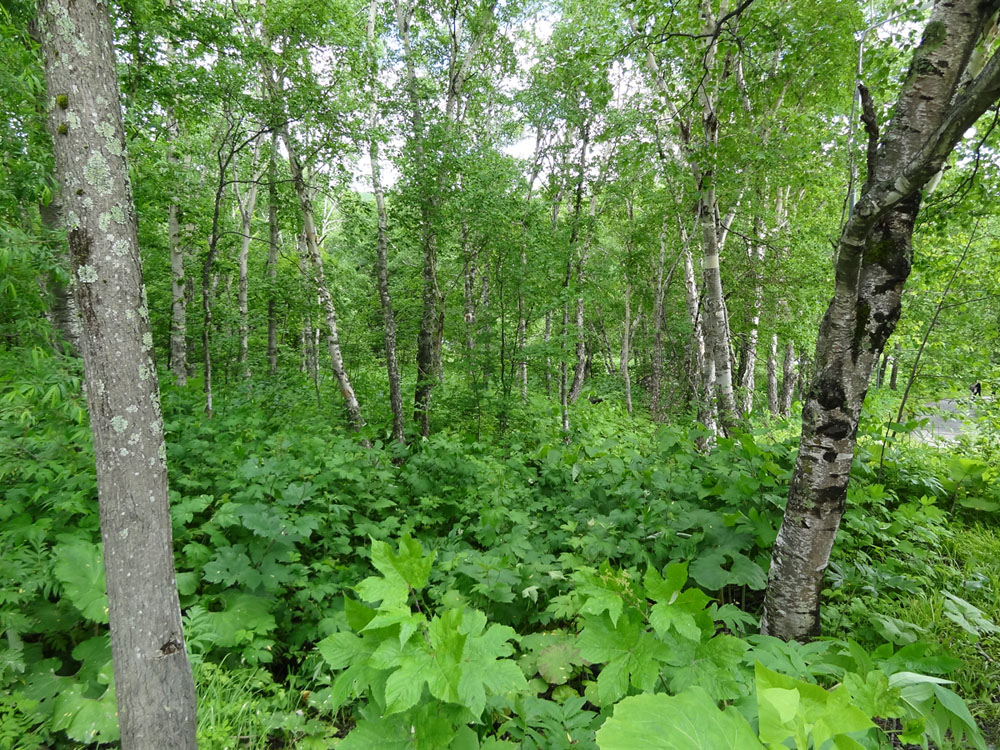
{"x":524,"y":592}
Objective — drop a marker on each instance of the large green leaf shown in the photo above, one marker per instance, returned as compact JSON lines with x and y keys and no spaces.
{"x":80,"y":568}
{"x":791,"y":708}
{"x":689,"y":721}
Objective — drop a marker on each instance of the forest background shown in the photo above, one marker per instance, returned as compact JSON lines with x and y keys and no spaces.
{"x":538,"y":285}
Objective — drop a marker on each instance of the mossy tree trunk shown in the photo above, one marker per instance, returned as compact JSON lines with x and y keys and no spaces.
{"x":155,"y":690}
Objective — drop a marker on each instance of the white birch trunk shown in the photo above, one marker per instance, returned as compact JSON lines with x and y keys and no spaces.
{"x":772,"y":376}
{"x":788,"y":379}
{"x":246,"y":206}
{"x":323,"y":289}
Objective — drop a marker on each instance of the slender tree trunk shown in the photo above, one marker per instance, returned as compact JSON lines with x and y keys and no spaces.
{"x":470,"y":291}
{"x":748,"y":364}
{"x":322,"y":289}
{"x":659,"y":293}
{"x":305,"y":337}
{"x":382,"y":247}
{"x":873,"y":261}
{"x":788,"y":379}
{"x":547,"y":337}
{"x":385,"y":300}
{"x":522,"y":329}
{"x":880,"y":378}
{"x":704,"y":365}
{"x":272,"y":258}
{"x":430,"y":338}
{"x":153,"y":683}
{"x":564,"y":373}
{"x":894,"y":368}
{"x":246,"y":209}
{"x":581,"y":334}
{"x":626,"y":341}
{"x":178,"y":304}
{"x":772,"y":376}
{"x":716,"y":316}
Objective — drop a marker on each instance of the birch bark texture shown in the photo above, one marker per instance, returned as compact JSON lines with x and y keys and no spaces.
{"x":874,"y":256}
{"x":155,"y":690}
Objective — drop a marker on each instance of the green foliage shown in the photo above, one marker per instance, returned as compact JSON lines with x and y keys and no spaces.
{"x":556,"y":588}
{"x":689,"y":720}
{"x":395,"y":653}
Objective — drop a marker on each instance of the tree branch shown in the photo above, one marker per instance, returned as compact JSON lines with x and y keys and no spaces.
{"x":871,"y":127}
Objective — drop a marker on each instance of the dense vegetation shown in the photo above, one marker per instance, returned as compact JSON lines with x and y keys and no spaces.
{"x":623,"y":563}
{"x":527,"y":220}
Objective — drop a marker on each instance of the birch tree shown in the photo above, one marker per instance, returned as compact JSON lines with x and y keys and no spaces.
{"x":153,"y":682}
{"x":942,"y":96}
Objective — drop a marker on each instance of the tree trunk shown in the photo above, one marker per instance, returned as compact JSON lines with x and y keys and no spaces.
{"x":322,"y":289}
{"x":153,"y":683}
{"x":874,"y":256}
{"x":659,"y":293}
{"x":772,"y":376}
{"x":470,"y":292}
{"x":522,"y":329}
{"x":716,"y":317}
{"x":430,"y":338}
{"x":880,"y":378}
{"x":547,"y":337}
{"x":626,"y":341}
{"x":305,"y":338}
{"x":788,"y":380}
{"x":894,"y":368}
{"x":704,"y":367}
{"x":385,"y":300}
{"x":272,"y":258}
{"x":748,"y":359}
{"x":581,"y":334}
{"x":178,"y":303}
{"x":246,"y":209}
{"x":62,"y":312}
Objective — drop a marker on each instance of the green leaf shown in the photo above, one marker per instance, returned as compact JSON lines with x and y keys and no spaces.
{"x":689,"y":721}
{"x":707,"y":570}
{"x":80,"y":568}
{"x":662,"y":617}
{"x":667,"y":588}
{"x":358,"y":615}
{"x":390,"y":733}
{"x":404,"y":687}
{"x":86,"y":720}
{"x":555,"y":662}
{"x":817,"y":712}
{"x":340,"y":650}
{"x":244,"y":614}
{"x":409,"y":564}
{"x":872,"y":694}
{"x":963,"y":723}
{"x":612,"y":682}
